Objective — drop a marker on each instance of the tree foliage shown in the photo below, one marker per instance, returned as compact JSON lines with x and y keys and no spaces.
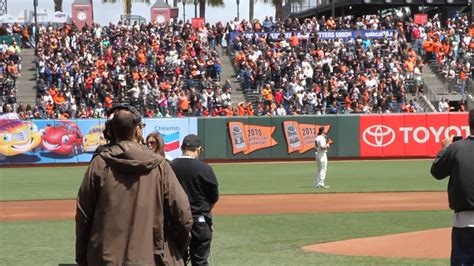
{"x":127,"y":4}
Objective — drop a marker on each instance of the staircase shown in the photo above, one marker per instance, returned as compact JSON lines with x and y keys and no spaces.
{"x":26,"y":84}
{"x":228,"y":73}
{"x":437,"y":84}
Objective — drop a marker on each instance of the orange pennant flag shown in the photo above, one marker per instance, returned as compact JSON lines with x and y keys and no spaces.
{"x":301,"y":137}
{"x":249,"y":138}
{"x":293,"y":136}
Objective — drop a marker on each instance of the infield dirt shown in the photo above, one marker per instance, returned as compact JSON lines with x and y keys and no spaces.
{"x":400,"y":245}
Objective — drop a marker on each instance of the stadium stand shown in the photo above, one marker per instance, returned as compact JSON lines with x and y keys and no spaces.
{"x":284,"y":67}
{"x":318,"y":76}
{"x":162,"y":70}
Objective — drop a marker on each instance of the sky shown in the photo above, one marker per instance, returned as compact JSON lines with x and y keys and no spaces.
{"x":105,"y":13}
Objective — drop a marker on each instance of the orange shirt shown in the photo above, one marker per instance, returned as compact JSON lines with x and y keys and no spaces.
{"x":428,"y":46}
{"x":183,"y":103}
{"x":59,"y":99}
{"x":446,"y":47}
{"x":100,"y":64}
{"x":228,"y":112}
{"x":49,"y":108}
{"x":108,"y":102}
{"x":165,"y":86}
{"x":436,"y":47}
{"x":135,"y":75}
{"x":141,"y":58}
{"x":52,"y":91}
{"x":294,"y":41}
{"x":267,"y":94}
{"x":241,"y":110}
{"x":239,"y":57}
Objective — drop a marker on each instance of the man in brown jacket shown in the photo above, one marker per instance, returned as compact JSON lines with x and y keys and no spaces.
{"x":131,"y":209}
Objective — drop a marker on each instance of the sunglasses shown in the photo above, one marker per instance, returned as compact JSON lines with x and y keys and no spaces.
{"x":151,"y":142}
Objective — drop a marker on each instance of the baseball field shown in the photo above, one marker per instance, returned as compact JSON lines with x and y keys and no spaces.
{"x":376,"y":212}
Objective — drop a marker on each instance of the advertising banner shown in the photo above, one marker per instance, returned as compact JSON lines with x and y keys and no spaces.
{"x":173,"y":131}
{"x":353,"y":34}
{"x":322,"y":35}
{"x":409,"y":135}
{"x":75,"y":140}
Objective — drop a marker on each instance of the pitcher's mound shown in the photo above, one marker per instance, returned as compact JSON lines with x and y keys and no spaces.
{"x":430,"y":244}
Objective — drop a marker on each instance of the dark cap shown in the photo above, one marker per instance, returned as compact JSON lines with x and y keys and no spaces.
{"x":191,"y":141}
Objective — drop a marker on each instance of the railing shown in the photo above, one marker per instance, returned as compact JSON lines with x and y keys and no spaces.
{"x":469,"y":102}
{"x":428,"y":104}
{"x":430,"y":95}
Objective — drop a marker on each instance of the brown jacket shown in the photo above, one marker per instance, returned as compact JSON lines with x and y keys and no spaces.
{"x":131,"y":210}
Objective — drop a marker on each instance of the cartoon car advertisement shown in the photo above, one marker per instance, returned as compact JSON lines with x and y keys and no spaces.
{"x":64,"y":137}
{"x":94,"y":138}
{"x":17,"y":137}
{"x":75,"y":140}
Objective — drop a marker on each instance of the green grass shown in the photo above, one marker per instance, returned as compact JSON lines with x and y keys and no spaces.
{"x":244,"y":178}
{"x":241,"y":240}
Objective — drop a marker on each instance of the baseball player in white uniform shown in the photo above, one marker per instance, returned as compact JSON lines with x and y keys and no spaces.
{"x":321,"y":145}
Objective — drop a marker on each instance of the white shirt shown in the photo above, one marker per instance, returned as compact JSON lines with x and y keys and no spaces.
{"x":280,"y":111}
{"x":320,"y":142}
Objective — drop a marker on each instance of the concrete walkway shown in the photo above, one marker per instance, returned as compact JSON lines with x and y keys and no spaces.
{"x":26,"y":84}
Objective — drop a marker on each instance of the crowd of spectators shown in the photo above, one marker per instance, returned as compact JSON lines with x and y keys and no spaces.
{"x":450,"y":46}
{"x":310,"y":75}
{"x":10,"y":67}
{"x":175,"y":69}
{"x":163,"y":70}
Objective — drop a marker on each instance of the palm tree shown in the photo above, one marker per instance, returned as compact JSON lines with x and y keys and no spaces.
{"x":127,"y":4}
{"x":202,"y":6}
{"x":58,"y":5}
{"x":251,"y":9}
{"x":278,"y":4}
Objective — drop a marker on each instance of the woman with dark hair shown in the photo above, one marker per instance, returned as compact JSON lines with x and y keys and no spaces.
{"x":156,"y":143}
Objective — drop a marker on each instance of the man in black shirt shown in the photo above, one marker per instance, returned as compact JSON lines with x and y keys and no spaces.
{"x":457,"y":161}
{"x":200,"y":184}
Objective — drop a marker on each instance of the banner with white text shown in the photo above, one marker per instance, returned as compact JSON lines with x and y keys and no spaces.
{"x":409,"y":135}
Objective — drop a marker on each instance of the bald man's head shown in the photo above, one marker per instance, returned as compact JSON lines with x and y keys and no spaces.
{"x":123,"y":126}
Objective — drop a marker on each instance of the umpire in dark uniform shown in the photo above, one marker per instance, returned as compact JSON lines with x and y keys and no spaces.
{"x":200,"y":184}
{"x":456,"y":160}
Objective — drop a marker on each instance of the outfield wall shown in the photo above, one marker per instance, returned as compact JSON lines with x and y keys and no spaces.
{"x":242,"y":138}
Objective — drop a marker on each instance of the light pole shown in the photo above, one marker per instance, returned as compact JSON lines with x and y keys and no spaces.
{"x":35,"y":5}
{"x":195,"y":8}
{"x":184,"y":11}
{"x":333,"y":9}
{"x":238,"y":10}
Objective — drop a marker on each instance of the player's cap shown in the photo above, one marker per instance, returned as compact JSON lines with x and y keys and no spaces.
{"x":191,"y":141}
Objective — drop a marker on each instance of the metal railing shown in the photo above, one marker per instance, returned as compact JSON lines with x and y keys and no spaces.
{"x":469,"y":102}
